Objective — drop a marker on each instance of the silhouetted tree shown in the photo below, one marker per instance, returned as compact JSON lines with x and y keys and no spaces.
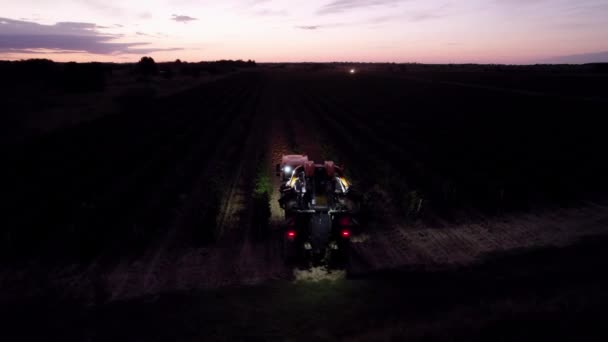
{"x":147,"y":66}
{"x":36,"y":69}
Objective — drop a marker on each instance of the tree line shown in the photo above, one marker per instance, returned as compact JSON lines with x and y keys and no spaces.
{"x":93,"y":76}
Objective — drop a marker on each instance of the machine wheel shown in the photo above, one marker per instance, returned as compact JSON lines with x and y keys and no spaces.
{"x":289,"y":250}
{"x":339,"y":258}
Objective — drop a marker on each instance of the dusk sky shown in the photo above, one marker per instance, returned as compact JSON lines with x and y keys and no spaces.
{"x":431,"y":31}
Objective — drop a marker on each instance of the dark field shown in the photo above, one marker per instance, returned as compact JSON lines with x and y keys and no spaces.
{"x":484,"y":191}
{"x":541,"y":295}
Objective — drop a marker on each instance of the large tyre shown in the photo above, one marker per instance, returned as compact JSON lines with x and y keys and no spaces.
{"x":339,"y":258}
{"x":289,"y":250}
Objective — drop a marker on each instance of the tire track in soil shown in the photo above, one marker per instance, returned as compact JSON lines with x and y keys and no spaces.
{"x":281,"y":140}
{"x":165,"y":272}
{"x":261,"y":260}
{"x":230,"y":205}
{"x":239,"y":254}
{"x":285,"y":118}
{"x":292,"y":131}
{"x":308,"y":137}
{"x":152,"y":271}
{"x":102,"y":275}
{"x":237,"y":258}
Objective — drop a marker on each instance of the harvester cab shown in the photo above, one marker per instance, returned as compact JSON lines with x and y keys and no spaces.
{"x":288,"y":164}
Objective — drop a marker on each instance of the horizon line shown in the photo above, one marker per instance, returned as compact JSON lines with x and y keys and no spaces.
{"x":303,"y":62}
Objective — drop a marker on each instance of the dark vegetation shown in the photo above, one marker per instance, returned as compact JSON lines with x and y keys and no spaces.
{"x":261,"y":199}
{"x":119,"y":181}
{"x":213,"y":68}
{"x":442,"y":141}
{"x":146,"y":67}
{"x":30,"y":87}
{"x":72,"y":77}
{"x":84,"y":77}
{"x":465,"y":139}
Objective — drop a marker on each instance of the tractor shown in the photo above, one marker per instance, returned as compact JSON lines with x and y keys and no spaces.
{"x":320,"y":211}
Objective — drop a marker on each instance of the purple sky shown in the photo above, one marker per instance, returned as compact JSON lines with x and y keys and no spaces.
{"x":431,"y":31}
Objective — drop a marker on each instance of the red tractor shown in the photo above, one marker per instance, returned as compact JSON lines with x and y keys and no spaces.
{"x":320,"y":210}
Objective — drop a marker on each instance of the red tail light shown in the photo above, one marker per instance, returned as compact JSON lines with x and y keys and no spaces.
{"x":291,"y":234}
{"x":345,"y":233}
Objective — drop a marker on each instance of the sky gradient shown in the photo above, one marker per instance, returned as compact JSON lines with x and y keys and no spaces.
{"x":431,"y":31}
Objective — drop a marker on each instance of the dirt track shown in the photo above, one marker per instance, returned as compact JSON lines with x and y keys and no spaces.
{"x":259,"y":113}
